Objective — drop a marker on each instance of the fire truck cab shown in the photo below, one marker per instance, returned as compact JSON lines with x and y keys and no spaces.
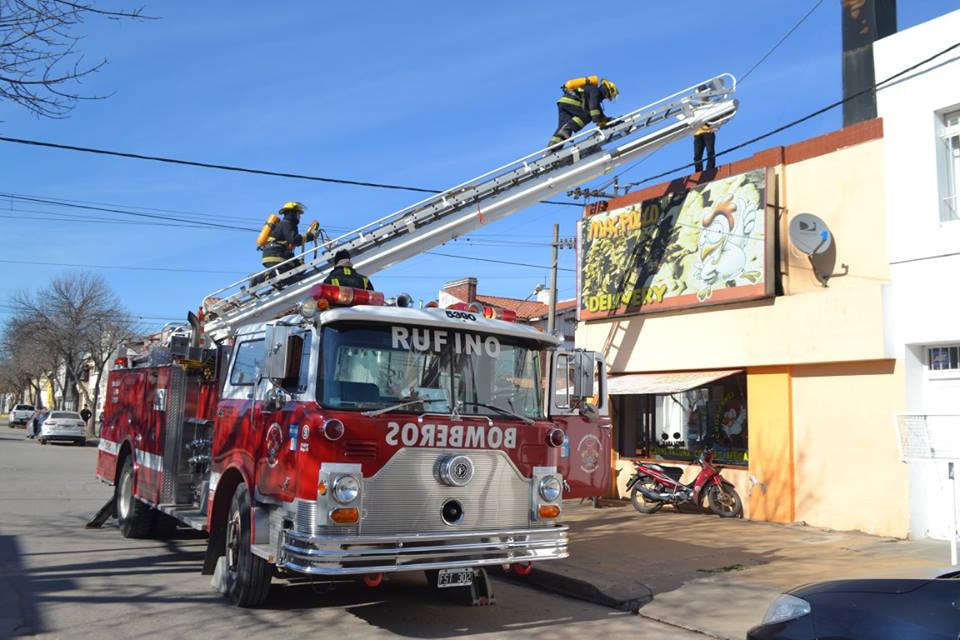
{"x":358,"y":437}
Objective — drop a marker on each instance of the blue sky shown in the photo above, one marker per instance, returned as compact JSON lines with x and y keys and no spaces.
{"x":425,"y":94}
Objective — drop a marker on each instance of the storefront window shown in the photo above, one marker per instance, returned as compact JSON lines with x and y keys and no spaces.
{"x":677,"y":426}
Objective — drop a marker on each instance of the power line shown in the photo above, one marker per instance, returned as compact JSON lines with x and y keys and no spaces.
{"x":127,"y":267}
{"x":809,"y":116}
{"x":781,"y":41}
{"x":515,"y":264}
{"x":235,"y":168}
{"x":739,"y":82}
{"x":119,"y":267}
{"x":132,"y":213}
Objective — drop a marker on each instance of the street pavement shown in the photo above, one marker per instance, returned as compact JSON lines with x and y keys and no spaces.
{"x":717,"y":576}
{"x":59,"y":580}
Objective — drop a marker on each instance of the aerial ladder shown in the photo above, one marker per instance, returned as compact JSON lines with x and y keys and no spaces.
{"x":470,"y":205}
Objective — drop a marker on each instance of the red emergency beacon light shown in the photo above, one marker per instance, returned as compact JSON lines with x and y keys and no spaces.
{"x":345,"y":296}
{"x":490,"y":313}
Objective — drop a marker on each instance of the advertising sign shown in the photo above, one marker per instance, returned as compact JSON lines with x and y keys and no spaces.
{"x":707,"y":245}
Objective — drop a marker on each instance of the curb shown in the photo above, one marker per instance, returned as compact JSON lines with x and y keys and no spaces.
{"x":579,"y":589}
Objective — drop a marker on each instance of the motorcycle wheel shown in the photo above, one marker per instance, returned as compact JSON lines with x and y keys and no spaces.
{"x":725,"y":501}
{"x":639,"y":501}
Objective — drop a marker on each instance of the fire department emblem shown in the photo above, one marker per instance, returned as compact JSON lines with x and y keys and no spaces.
{"x":456,"y":471}
{"x":589,"y":450}
{"x":274,"y":443}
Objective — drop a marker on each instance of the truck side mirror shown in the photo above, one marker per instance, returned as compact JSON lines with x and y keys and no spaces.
{"x":275,"y":357}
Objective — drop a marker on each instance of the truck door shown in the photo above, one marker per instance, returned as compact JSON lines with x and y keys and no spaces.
{"x":578,"y":406}
{"x":285,"y":378}
{"x":235,"y":434}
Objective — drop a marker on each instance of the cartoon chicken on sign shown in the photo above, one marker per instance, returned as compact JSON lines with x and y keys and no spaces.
{"x":721,"y":247}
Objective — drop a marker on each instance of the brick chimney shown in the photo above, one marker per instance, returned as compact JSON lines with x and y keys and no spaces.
{"x":462,"y":290}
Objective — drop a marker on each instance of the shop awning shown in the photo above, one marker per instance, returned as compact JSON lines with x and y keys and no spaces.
{"x":637,"y":383}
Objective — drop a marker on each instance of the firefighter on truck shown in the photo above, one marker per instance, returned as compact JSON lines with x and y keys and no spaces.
{"x":357,"y":438}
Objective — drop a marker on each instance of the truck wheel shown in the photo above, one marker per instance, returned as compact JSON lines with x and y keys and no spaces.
{"x":248,"y":575}
{"x":134,"y":517}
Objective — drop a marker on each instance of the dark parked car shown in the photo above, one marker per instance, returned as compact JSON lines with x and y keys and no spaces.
{"x":895,"y":609}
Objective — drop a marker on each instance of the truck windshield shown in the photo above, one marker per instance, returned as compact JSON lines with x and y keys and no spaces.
{"x":377,"y":366}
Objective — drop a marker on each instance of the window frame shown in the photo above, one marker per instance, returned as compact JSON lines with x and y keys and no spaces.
{"x":236,"y":360}
{"x":941,"y":374}
{"x":948,"y":165}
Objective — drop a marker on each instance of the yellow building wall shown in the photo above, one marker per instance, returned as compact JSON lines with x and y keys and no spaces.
{"x":822,"y":386}
{"x":848,"y":469}
{"x":809,"y":324}
{"x":770,"y":444}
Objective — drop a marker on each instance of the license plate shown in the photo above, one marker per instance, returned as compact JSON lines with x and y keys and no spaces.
{"x":454,"y":578}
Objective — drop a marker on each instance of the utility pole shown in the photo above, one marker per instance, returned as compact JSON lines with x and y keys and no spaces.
{"x":554,"y":248}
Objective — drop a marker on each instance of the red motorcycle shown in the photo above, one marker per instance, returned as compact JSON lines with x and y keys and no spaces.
{"x":654,"y":485}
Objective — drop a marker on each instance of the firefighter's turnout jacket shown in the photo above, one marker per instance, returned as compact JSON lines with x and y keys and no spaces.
{"x":344,"y":275}
{"x":284,"y":238}
{"x":577,"y":108}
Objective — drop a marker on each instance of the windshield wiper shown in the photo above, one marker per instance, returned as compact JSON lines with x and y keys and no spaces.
{"x":503,"y":411}
{"x":405,"y":402}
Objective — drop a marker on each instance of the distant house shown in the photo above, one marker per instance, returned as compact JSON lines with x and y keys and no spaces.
{"x":532,"y":312}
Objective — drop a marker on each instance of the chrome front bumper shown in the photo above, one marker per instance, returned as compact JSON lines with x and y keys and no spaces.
{"x":345,"y":555}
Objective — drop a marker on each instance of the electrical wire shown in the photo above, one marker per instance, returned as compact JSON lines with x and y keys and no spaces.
{"x":739,"y":82}
{"x":235,"y":168}
{"x":515,"y":264}
{"x":805,"y":118}
{"x":789,"y":33}
{"x":138,"y":214}
{"x":172,"y":269}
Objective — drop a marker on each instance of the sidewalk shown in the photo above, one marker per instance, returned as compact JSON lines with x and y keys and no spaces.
{"x":715,"y":575}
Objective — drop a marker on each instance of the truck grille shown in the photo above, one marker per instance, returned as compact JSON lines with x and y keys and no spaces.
{"x":360,"y":449}
{"x":405,"y":496}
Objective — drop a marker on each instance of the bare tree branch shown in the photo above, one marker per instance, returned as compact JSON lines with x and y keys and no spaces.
{"x":39,"y":53}
{"x":71,"y":326}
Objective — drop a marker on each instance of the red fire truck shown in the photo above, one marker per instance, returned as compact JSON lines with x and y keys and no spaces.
{"x":321,"y":431}
{"x":359,"y":439}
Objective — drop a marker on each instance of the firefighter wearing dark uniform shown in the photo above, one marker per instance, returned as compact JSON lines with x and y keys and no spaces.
{"x":285,"y":238}
{"x":344,"y":275}
{"x":580,"y":104}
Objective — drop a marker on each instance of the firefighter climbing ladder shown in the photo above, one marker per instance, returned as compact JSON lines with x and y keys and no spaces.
{"x":472,"y":204}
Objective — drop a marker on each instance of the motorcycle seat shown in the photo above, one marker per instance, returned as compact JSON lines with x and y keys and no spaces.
{"x":672,"y":472}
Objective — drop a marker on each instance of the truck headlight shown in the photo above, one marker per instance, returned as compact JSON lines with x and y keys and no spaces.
{"x":345,"y":489}
{"x":550,"y":488}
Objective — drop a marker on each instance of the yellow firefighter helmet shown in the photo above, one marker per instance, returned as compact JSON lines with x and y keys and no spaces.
{"x":611,"y":88}
{"x":297,"y":207}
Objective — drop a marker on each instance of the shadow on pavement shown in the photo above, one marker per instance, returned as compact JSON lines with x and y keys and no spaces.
{"x":18,"y":614}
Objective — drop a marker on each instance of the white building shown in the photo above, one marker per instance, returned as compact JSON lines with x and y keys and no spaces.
{"x":921,"y":124}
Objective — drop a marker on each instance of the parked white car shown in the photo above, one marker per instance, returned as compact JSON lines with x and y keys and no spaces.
{"x":63,"y":425}
{"x":20,"y":414}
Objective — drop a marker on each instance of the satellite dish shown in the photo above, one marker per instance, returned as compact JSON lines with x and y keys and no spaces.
{"x":810,"y":234}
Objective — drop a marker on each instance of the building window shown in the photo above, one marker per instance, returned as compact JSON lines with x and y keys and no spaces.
{"x":949,"y":166}
{"x":943,"y":358}
{"x":678,"y":426}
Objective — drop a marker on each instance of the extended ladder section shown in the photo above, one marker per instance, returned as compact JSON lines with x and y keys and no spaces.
{"x":475,"y":203}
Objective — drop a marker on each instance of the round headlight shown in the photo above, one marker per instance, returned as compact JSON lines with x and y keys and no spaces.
{"x":308,"y":309}
{"x":550,"y":489}
{"x":346,"y":489}
{"x":333,"y":429}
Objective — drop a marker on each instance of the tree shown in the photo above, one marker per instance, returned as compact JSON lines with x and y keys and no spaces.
{"x":79,"y":321}
{"x":40,"y":65}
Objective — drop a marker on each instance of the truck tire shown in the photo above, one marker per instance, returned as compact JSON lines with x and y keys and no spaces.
{"x":248,"y":575}
{"x":134,"y":517}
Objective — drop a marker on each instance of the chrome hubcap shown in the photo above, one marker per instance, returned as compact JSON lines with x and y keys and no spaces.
{"x":126,"y":495}
{"x":233,"y":541}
